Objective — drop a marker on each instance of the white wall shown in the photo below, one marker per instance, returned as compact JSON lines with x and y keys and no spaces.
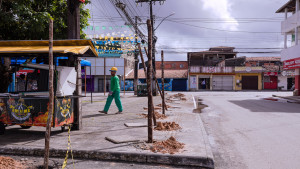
{"x":282,"y":81}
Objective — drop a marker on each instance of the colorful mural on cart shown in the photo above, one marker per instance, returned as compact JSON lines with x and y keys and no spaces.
{"x":34,"y":112}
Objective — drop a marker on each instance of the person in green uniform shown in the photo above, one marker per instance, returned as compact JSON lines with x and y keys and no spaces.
{"x":114,"y":92}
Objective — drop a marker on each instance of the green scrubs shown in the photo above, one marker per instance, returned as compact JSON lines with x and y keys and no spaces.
{"x":115,"y":89}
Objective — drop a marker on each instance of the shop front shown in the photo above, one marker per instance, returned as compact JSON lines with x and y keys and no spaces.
{"x":270,"y":80}
{"x":211,"y":78}
{"x":248,"y":78}
{"x":294,"y":64}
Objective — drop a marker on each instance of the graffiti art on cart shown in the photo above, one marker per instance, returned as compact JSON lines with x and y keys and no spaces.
{"x":20,"y":111}
{"x":65,"y":107}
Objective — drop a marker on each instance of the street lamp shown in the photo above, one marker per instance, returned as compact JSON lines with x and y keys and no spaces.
{"x":164,"y":20}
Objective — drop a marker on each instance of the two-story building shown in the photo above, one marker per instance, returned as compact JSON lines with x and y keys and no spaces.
{"x":290,"y":27}
{"x":204,"y":72}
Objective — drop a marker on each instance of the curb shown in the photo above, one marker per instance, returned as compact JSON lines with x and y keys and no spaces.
{"x":115,"y":156}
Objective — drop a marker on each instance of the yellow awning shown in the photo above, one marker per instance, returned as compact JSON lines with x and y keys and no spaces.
{"x":45,"y":49}
{"x":77,"y":47}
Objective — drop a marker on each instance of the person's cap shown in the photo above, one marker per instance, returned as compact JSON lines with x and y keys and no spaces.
{"x":114,"y":69}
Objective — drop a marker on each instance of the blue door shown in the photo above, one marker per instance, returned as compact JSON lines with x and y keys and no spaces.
{"x":179,"y":85}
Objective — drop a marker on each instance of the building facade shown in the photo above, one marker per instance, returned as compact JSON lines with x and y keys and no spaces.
{"x":290,"y":27}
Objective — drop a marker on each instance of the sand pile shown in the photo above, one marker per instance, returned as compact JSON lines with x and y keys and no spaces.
{"x":9,"y":163}
{"x":167,"y":126}
{"x":179,"y":96}
{"x":170,"y":146}
{"x":157,"y":115}
{"x":160,"y":105}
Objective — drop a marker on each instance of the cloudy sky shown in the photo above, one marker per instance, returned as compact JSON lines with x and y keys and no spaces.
{"x":200,"y":24}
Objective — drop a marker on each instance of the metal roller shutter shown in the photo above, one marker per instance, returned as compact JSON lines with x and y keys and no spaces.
{"x":222,"y":83}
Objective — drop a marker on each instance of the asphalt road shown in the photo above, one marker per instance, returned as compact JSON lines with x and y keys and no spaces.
{"x":246,"y":131}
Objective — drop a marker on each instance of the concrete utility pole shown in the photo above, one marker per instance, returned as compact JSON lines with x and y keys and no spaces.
{"x":154,"y":38}
{"x":51,"y":96}
{"x":149,"y":84}
{"x":74,"y":33}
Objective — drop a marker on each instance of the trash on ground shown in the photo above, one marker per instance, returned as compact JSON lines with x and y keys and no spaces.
{"x":167,"y":126}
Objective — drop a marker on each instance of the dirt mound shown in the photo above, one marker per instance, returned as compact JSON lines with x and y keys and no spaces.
{"x":9,"y":163}
{"x":157,"y":115}
{"x":179,"y":96}
{"x":155,"y":108}
{"x":160,"y":105}
{"x":170,"y":146}
{"x":167,"y":126}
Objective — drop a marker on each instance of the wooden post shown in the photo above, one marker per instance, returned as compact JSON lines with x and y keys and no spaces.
{"x":142,"y":58}
{"x":104,"y":76}
{"x":51,"y":96}
{"x":77,"y":101}
{"x":154,"y":75}
{"x":136,"y":60}
{"x":124,"y":77}
{"x":85,"y":79}
{"x":149,"y":82}
{"x":163,"y":82}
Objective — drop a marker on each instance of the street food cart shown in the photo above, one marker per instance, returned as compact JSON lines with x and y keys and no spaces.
{"x":27,"y":104}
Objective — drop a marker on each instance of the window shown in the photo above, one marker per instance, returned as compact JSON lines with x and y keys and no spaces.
{"x":181,"y":66}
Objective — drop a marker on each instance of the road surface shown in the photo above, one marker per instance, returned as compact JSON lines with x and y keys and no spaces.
{"x":246,"y":131}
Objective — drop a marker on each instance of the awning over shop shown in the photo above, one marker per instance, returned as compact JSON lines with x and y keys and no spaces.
{"x":85,"y":63}
{"x":60,"y":47}
{"x":290,"y":5}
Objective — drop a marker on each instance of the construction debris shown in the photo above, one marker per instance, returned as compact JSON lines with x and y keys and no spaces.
{"x":170,"y":146}
{"x":8,"y":163}
{"x":157,"y":115}
{"x":167,"y":126}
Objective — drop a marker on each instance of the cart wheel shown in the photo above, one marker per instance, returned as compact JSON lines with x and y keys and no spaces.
{"x":2,"y":128}
{"x":25,"y":127}
{"x":63,"y":128}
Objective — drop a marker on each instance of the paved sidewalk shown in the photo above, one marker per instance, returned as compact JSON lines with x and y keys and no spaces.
{"x":90,"y":143}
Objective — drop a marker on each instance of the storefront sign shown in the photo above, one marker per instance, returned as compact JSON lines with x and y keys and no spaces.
{"x":288,"y":73}
{"x":24,"y":72}
{"x":248,"y":69}
{"x":291,"y":64}
{"x":193,"y":82}
{"x":270,"y":73}
{"x":211,"y":69}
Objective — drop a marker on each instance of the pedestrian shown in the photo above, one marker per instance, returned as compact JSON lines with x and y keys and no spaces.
{"x":114,"y":92}
{"x":203,"y":84}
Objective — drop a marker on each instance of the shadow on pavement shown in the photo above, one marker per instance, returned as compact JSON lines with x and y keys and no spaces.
{"x":267,"y":106}
{"x":18,"y":135}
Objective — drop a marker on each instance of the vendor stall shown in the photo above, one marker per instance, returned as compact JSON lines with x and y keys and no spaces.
{"x":28,"y":105}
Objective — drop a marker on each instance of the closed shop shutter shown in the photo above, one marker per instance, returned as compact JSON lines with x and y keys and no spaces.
{"x":222,"y":83}
{"x":250,"y":82}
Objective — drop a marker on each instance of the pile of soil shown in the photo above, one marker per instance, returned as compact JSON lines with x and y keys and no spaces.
{"x":155,"y":108}
{"x":157,"y":115}
{"x":170,"y":146}
{"x":160,"y":105}
{"x":167,"y":126}
{"x":178,"y":96}
{"x":9,"y":163}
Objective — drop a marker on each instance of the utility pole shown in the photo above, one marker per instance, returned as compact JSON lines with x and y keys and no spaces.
{"x":163,"y":83}
{"x":154,"y":38}
{"x":136,"y":59}
{"x":74,"y":33}
{"x":51,"y":96}
{"x":149,"y":84}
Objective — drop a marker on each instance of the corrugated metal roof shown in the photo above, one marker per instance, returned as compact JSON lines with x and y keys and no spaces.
{"x":42,"y":46}
{"x":290,"y":5}
{"x":263,"y":59}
